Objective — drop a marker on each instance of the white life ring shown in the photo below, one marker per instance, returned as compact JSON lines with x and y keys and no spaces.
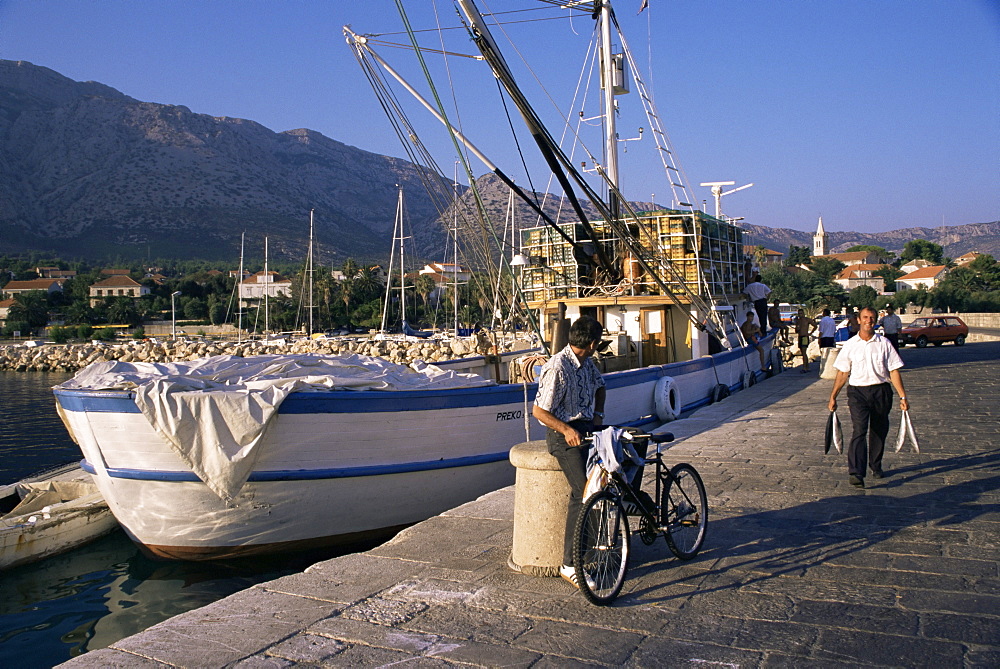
{"x":667,"y":399}
{"x":748,"y":379}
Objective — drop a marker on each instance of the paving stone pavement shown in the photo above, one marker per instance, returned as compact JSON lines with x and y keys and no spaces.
{"x":798,"y":569}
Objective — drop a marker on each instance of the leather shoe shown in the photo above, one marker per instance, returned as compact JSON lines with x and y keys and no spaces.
{"x":877,"y":474}
{"x":856,"y":481}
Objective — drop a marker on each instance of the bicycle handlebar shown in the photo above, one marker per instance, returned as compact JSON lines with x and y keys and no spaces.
{"x":660,"y":438}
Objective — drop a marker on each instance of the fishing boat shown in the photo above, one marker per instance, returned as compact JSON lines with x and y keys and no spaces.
{"x":226,"y":457}
{"x":51,"y":513}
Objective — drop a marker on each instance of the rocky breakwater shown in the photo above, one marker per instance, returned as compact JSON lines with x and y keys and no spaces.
{"x":72,"y":357}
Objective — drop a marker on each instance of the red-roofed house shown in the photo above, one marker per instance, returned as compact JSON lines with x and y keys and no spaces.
{"x":443,"y":272}
{"x":48,"y":285}
{"x":116,"y":286}
{"x":861,"y":275}
{"x":770,"y":257}
{"x":927,"y":277}
{"x":5,"y":306}
{"x":966,"y":258}
{"x":853,"y":258}
{"x":55,"y":273}
{"x":255,"y":287}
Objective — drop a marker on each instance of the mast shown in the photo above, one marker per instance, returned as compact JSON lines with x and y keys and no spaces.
{"x":267,"y":290}
{"x":608,"y":84}
{"x":310,"y":331}
{"x":239,"y":295}
{"x":454,"y":241}
{"x":402,"y":262}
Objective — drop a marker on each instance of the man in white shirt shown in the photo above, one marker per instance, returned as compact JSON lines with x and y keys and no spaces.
{"x":868,"y":364}
{"x":827,"y":330}
{"x":891,"y":325}
{"x":757,"y":292}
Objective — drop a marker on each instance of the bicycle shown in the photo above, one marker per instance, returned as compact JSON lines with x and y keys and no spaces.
{"x":679,"y":512}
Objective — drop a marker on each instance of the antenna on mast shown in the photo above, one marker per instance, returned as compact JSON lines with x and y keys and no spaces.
{"x":718,"y":193}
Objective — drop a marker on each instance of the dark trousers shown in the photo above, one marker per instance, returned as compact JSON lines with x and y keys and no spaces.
{"x":573,"y":462}
{"x":760,"y":306}
{"x":893,"y":339}
{"x":870,"y":406}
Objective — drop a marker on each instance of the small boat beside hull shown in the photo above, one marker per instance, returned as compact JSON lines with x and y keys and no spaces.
{"x":51,"y":513}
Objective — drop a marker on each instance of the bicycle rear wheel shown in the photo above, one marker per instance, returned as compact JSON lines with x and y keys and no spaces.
{"x":684,"y":511}
{"x":601,"y":544}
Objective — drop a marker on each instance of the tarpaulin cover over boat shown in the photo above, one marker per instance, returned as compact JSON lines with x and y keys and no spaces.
{"x":213,"y":412}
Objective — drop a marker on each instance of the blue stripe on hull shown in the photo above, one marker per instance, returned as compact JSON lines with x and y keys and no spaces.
{"x":309,"y":474}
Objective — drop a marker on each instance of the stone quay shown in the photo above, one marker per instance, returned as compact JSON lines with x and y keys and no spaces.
{"x":798,"y":568}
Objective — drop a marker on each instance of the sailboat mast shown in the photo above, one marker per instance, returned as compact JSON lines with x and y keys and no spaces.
{"x":239,"y":296}
{"x":309,"y":333}
{"x":402,"y":262}
{"x":610,"y":125}
{"x":454,"y":255}
{"x":267,"y":290}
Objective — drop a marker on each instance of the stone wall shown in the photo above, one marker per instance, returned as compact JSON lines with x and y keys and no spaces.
{"x":72,"y":357}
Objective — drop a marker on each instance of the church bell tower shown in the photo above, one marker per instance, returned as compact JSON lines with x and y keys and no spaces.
{"x":821,"y":241}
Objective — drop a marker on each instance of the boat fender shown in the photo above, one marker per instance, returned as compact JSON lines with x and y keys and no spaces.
{"x":667,"y":399}
{"x":748,"y":378}
{"x":720,"y":392}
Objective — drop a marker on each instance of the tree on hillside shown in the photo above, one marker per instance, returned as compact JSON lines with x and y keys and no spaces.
{"x":889,"y":275}
{"x":827,"y":268}
{"x":921,"y":248}
{"x":31,"y":308}
{"x":863,"y":296}
{"x":797,"y":255}
{"x":882,"y":254}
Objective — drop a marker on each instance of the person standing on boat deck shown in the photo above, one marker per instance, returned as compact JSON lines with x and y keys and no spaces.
{"x":569,"y":402}
{"x":757,"y":292}
{"x":868,"y":364}
{"x":827,"y":330}
{"x":891,"y":325}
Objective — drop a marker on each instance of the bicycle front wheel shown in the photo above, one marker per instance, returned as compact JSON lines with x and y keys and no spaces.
{"x":684,"y":511}
{"x":601,"y":541}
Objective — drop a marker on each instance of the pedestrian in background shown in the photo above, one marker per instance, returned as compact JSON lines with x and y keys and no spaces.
{"x":775,"y":322}
{"x":827,"y":330}
{"x":869,"y":366}
{"x":804,"y":327}
{"x":891,"y":325}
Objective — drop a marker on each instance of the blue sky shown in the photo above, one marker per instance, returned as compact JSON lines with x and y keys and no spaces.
{"x":876,"y":114}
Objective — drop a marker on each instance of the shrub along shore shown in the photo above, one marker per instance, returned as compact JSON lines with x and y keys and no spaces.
{"x":72,"y":357}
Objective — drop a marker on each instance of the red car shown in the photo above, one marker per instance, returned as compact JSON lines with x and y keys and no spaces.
{"x":934,"y":330}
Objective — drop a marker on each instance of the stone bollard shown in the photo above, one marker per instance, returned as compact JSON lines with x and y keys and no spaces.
{"x":827,"y":358}
{"x":541,"y":500}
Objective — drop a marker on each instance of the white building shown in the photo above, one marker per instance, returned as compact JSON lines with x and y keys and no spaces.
{"x":256,"y":286}
{"x":928,"y":277}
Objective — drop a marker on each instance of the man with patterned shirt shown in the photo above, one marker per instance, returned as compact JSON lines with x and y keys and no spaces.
{"x":569,"y":402}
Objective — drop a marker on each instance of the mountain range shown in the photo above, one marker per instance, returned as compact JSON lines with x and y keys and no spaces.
{"x":87,"y":172}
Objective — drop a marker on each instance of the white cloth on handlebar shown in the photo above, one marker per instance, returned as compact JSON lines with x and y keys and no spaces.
{"x":612,"y":447}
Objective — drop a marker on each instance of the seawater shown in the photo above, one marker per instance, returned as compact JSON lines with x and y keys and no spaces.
{"x":97,"y":594}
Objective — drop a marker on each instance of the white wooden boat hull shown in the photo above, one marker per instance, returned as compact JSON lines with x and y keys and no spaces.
{"x":340,"y":466}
